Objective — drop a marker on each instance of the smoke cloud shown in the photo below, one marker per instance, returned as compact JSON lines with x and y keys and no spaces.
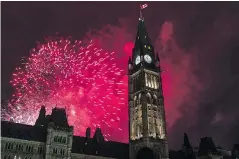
{"x":198,"y":79}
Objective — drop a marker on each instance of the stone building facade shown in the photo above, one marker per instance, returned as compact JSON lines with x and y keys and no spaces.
{"x":52,"y":138}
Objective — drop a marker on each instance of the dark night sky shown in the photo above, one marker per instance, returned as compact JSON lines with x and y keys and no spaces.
{"x":207,"y":32}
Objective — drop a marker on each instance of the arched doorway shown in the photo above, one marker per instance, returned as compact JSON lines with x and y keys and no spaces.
{"x":145,"y":153}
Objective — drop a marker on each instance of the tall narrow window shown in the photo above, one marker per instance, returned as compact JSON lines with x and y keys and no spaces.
{"x":155,"y":83}
{"x":149,"y":81}
{"x":152,"y":81}
{"x":54,"y":150}
{"x":146,"y":80}
{"x":64,"y":140}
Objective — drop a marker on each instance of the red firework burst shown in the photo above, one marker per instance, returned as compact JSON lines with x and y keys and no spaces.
{"x":82,"y":78}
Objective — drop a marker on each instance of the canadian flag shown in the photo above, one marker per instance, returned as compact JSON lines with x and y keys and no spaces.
{"x":143,"y":6}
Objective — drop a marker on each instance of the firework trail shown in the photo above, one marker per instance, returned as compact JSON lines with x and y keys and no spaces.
{"x":78,"y":76}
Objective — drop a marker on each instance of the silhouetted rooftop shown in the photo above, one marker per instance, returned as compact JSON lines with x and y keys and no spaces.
{"x":22,"y":131}
{"x":39,"y":133}
{"x":207,"y":147}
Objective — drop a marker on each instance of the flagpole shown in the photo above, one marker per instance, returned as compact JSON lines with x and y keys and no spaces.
{"x":140,"y":11}
{"x":141,"y":16}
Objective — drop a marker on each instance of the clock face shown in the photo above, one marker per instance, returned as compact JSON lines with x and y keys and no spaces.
{"x":137,"y":60}
{"x":147,"y":58}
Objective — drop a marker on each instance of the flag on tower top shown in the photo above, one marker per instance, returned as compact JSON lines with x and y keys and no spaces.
{"x":143,"y":6}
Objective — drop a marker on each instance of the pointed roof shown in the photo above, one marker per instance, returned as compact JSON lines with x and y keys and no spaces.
{"x":186,"y":141}
{"x":58,"y":116}
{"x":207,"y":147}
{"x":142,"y":37}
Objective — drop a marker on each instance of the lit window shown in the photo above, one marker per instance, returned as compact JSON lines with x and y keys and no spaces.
{"x":144,"y":46}
{"x":149,"y":47}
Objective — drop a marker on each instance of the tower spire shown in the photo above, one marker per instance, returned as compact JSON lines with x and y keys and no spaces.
{"x":147,"y":124}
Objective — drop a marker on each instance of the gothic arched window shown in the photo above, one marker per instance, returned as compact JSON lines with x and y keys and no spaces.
{"x":149,"y":81}
{"x":148,"y":98}
{"x":155,"y":100}
{"x":146,"y":80}
{"x":64,"y":140}
{"x":62,"y":151}
{"x":139,"y":100}
{"x":54,"y":151}
{"x":135,"y":101}
{"x":11,"y":145}
{"x":155,"y":83}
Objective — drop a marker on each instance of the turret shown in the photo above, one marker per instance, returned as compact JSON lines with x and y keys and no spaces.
{"x":87,"y":134}
{"x":187,"y":148}
{"x":207,"y":147}
{"x":41,"y":120}
{"x":98,"y":140}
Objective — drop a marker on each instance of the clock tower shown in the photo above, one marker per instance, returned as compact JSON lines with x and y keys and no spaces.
{"x":147,"y":125}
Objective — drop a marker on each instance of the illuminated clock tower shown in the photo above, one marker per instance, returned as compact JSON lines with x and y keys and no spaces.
{"x":147,"y":125}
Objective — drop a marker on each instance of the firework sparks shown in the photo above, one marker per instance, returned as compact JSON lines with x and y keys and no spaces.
{"x":82,"y":78}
